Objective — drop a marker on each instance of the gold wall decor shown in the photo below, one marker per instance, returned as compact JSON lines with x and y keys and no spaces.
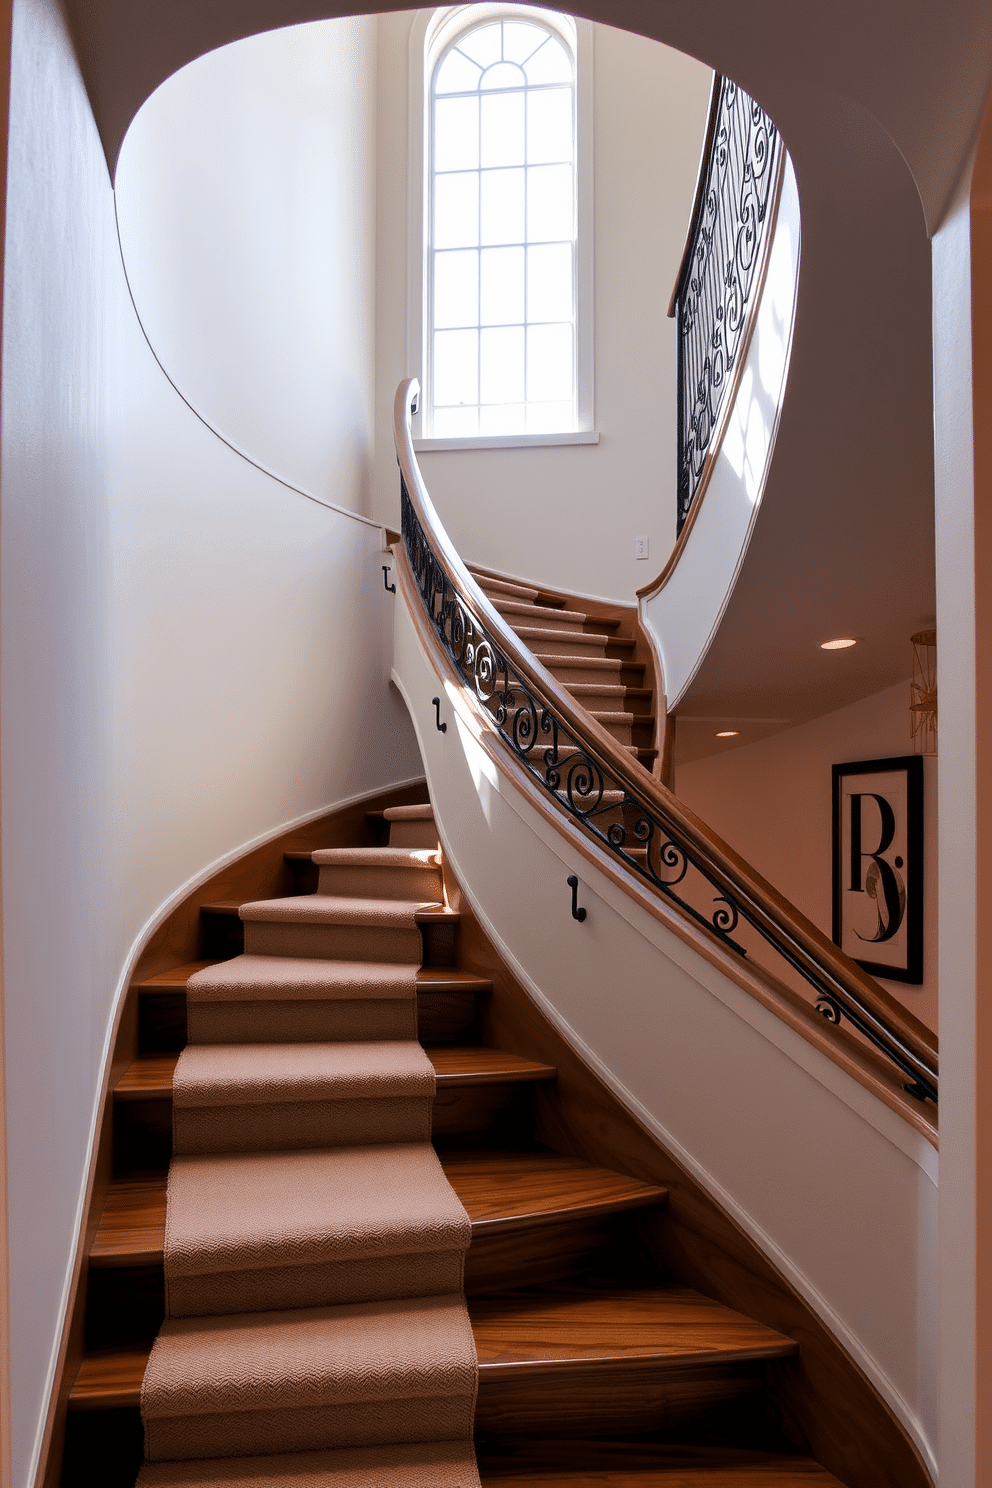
{"x":923,"y":693}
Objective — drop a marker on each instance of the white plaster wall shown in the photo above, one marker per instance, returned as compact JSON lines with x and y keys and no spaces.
{"x":964,"y":1056}
{"x":192,"y":656}
{"x":834,"y":1187}
{"x":567,"y":516}
{"x":772,"y":801}
{"x":246,"y":200}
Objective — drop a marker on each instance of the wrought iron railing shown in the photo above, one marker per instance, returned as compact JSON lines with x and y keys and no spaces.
{"x":585,"y":773}
{"x":719,"y":280}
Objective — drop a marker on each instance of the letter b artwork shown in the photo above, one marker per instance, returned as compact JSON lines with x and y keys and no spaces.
{"x":878,"y":865}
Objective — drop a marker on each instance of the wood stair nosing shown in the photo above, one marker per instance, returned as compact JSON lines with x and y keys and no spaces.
{"x":501,"y":1191}
{"x":547,"y":636}
{"x":509,"y":606}
{"x":429,"y":979}
{"x":491,"y":586}
{"x":545,"y":1342}
{"x":149,"y":1078}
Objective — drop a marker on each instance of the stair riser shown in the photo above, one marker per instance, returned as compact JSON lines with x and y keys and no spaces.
{"x":546,"y":617}
{"x":306,"y":1429}
{"x":103,"y":1449}
{"x":571,"y":670}
{"x":278,"y":1021}
{"x":563,"y":643}
{"x":105,"y":1446}
{"x":420,"y":885}
{"x":288,"y":1126}
{"x":543,"y":1254}
{"x":127,"y":1304}
{"x":334,"y":942}
{"x":618,"y":699}
{"x":494,"y":589}
{"x":124,"y":1305}
{"x":588,"y":1401}
{"x":630,"y":731}
{"x":441,"y":1018}
{"x":413,"y":834}
{"x":619,"y":730}
{"x":143,"y":1128}
{"x":224,"y":937}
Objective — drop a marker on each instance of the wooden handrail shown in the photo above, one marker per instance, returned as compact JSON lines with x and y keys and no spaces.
{"x":900,"y":1036}
{"x":699,"y":193}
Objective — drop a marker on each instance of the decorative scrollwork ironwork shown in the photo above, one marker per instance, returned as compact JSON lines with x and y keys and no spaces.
{"x":719,"y":273}
{"x":552,"y":754}
{"x":607,"y":804}
{"x":827,"y":1008}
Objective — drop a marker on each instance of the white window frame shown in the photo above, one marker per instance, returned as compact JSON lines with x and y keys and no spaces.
{"x":431,"y":33}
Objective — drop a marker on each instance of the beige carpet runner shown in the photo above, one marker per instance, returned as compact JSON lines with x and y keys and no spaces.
{"x":316,"y":1332}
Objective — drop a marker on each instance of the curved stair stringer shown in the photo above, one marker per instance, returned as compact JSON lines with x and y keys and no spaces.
{"x":825,"y":1180}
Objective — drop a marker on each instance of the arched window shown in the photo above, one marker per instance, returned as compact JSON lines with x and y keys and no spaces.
{"x":501,"y":226}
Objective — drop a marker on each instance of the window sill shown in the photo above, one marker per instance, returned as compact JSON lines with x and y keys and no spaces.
{"x":506,"y":441}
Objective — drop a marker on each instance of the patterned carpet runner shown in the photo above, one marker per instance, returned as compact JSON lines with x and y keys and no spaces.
{"x":316,"y":1333}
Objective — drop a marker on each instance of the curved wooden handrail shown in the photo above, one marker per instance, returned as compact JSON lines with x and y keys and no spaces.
{"x":903,"y":1038}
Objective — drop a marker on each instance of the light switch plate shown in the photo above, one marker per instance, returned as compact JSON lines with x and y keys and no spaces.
{"x":640,"y":547}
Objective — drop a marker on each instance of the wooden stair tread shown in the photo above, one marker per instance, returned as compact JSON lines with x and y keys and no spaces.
{"x":451,"y":979}
{"x":500,"y":1190}
{"x":619,"y":1464}
{"x":529,"y":1336}
{"x":508,"y":605}
{"x":150,"y":1077}
{"x":609,"y":690}
{"x":491,"y":586}
{"x":580,"y":637}
{"x":485,"y":1066}
{"x":175,"y":979}
{"x":429,"y":979}
{"x":532,"y":1334}
{"x":429,"y":914}
{"x":513,"y":1189}
{"x":110,"y":1379}
{"x":587,"y":663}
{"x":132,"y":1226}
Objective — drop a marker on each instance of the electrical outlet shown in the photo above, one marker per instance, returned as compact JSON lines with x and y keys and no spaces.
{"x":640,"y":547}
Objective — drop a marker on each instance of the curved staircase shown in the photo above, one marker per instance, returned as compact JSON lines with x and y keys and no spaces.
{"x":595,"y":651}
{"x":595,"y":1365}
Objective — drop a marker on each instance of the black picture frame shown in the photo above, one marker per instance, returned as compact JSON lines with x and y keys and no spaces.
{"x":878,"y":891}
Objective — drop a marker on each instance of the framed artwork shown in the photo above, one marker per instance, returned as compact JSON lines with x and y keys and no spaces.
{"x":878,"y":865}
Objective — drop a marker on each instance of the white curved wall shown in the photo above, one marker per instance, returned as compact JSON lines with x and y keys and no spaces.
{"x":192,"y":656}
{"x":683,"y":615}
{"x":245,"y":198}
{"x":833,"y":1186}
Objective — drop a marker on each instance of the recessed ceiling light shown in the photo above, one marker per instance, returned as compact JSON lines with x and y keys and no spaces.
{"x":841,"y":644}
{"x":728,"y":734}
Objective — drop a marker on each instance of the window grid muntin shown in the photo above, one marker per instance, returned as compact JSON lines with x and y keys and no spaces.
{"x":528,"y":406}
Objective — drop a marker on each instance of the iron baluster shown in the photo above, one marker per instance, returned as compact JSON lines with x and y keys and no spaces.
{"x":606,"y":803}
{"x":720,"y":273}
